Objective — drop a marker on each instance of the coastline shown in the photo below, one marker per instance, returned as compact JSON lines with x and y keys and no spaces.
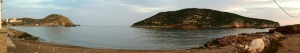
{"x":32,"y":46}
{"x":193,"y":27}
{"x":28,"y":45}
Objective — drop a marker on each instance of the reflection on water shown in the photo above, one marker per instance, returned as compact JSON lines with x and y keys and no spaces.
{"x":117,"y":37}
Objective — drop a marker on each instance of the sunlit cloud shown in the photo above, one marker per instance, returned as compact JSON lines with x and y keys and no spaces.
{"x":236,"y":9}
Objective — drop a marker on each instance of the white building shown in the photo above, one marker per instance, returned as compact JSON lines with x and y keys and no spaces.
{"x":13,"y":20}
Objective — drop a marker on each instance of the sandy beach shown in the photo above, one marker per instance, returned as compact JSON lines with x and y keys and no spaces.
{"x":291,"y":44}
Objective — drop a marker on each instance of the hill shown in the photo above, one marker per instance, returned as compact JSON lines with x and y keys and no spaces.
{"x":199,"y":18}
{"x":50,"y":20}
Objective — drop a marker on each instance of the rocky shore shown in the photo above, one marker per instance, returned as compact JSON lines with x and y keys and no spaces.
{"x":249,"y":42}
{"x":274,"y":41}
{"x":19,"y":35}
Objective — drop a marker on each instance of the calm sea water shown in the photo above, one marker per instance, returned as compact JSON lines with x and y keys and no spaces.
{"x":124,"y":37}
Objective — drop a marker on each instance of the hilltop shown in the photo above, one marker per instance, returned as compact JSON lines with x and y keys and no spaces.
{"x":199,"y":18}
{"x":50,"y":20}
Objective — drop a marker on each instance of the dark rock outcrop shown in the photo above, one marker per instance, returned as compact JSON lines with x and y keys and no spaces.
{"x":15,"y":34}
{"x":290,"y":29}
{"x":199,"y":18}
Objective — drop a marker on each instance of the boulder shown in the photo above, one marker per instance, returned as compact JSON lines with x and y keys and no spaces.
{"x":251,"y":50}
{"x":277,"y":34}
{"x":257,"y":44}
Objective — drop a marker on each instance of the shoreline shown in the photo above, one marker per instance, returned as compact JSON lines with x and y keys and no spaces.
{"x":42,"y":47}
{"x":194,"y":27}
{"x":32,"y":46}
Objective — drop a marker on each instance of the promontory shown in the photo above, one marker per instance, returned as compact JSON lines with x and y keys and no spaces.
{"x":50,"y":20}
{"x":203,"y":18}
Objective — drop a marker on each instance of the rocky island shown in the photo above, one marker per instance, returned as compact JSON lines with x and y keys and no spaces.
{"x":203,"y":18}
{"x":50,"y":20}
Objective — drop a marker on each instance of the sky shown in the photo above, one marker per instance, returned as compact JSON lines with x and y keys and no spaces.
{"x":127,"y":12}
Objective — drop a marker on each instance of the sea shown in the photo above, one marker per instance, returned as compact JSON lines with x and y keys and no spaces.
{"x":130,"y":38}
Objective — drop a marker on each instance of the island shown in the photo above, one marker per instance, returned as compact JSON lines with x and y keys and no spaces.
{"x":203,"y":18}
{"x":50,"y":20}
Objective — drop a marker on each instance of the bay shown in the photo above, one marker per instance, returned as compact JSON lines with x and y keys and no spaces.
{"x":129,"y":38}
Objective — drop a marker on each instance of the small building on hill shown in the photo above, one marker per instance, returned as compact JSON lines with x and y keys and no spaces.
{"x":11,"y":20}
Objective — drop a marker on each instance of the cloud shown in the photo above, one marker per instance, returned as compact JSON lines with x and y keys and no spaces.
{"x":236,"y":9}
{"x":141,"y":9}
{"x":47,"y":6}
{"x":34,"y":4}
{"x":126,"y":12}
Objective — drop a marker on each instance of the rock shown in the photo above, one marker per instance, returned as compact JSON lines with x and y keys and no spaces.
{"x":290,"y":29}
{"x":266,"y":41}
{"x":277,"y":34}
{"x":229,"y":40}
{"x":257,"y":44}
{"x":251,"y":50}
{"x":15,"y":34}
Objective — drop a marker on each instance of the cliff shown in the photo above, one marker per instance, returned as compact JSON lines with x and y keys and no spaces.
{"x":50,"y":20}
{"x":199,"y":18}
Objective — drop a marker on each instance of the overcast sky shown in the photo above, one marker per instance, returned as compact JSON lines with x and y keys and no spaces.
{"x":127,"y":12}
